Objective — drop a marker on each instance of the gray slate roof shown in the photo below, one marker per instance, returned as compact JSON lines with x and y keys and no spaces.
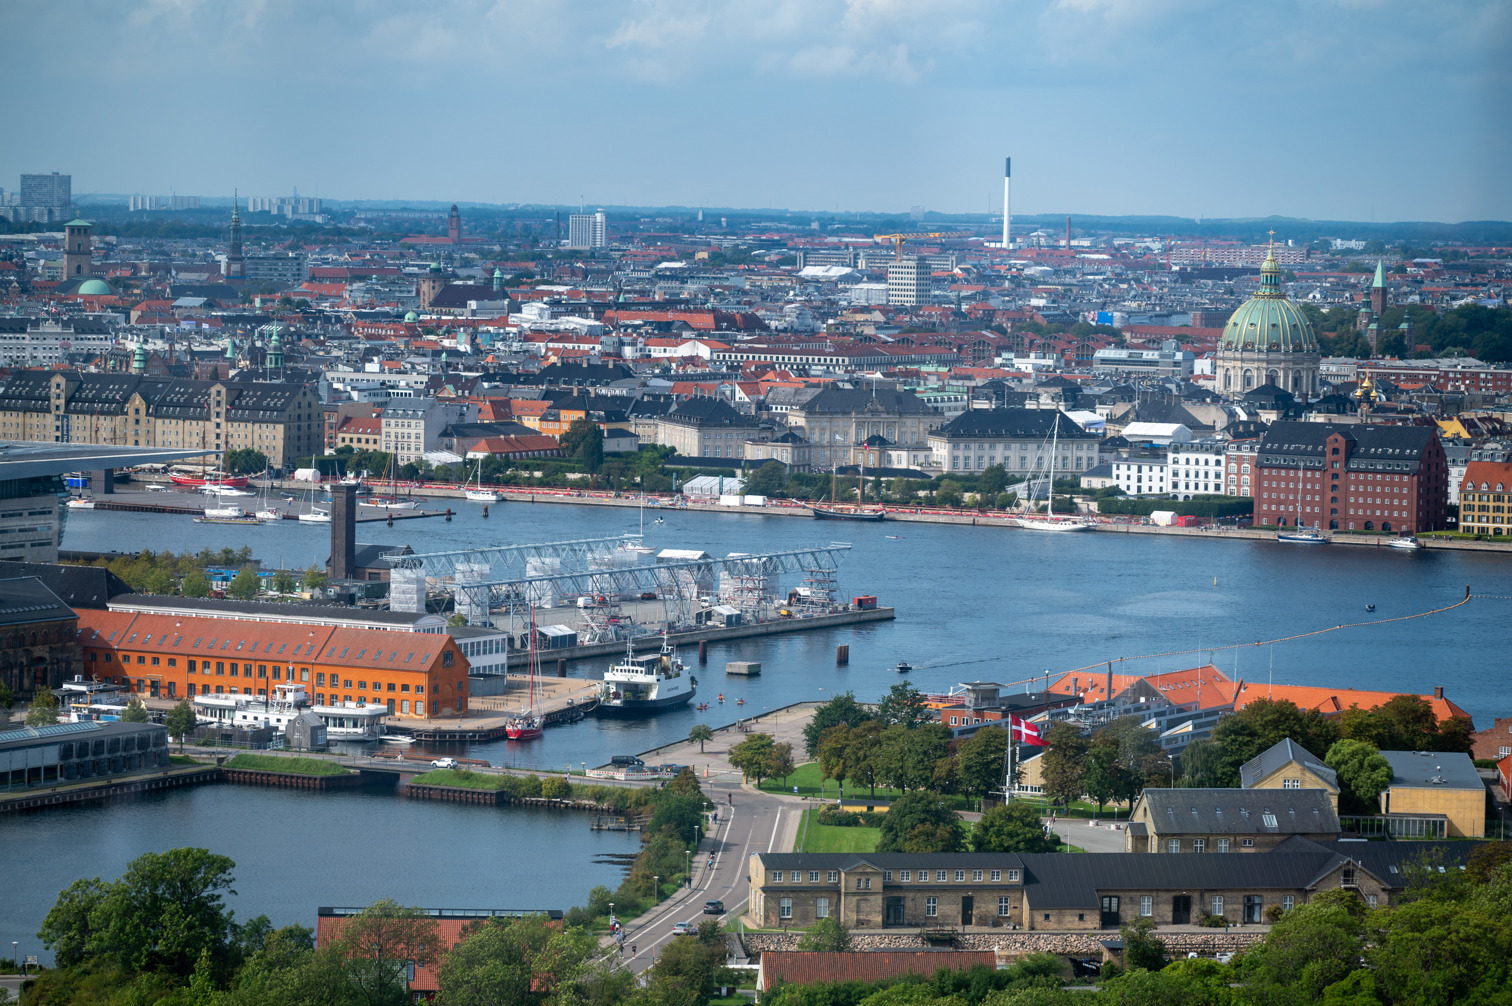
{"x":1241,"y":812}
{"x":1441,"y":769}
{"x":75,"y":586}
{"x":1278,"y":754}
{"x":1034,"y":424}
{"x":25,"y":599}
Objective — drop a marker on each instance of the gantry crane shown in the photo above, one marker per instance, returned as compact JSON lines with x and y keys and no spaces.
{"x":898,"y":239}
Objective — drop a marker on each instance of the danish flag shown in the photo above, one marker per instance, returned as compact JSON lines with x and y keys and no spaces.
{"x":1025,"y":732}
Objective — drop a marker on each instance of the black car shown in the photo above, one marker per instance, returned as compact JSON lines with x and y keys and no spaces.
{"x":714,"y":907}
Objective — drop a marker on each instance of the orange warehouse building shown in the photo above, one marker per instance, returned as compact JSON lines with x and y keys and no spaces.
{"x":416,"y":674}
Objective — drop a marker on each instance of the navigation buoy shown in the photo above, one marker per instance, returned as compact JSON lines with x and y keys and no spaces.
{"x":485,"y":509}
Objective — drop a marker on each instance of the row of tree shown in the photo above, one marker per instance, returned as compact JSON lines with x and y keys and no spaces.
{"x":165,"y":573}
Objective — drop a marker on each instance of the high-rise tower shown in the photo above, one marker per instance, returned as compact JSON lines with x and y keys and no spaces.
{"x":78,"y":250}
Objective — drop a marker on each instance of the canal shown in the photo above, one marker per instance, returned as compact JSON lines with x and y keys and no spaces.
{"x":973,"y":603}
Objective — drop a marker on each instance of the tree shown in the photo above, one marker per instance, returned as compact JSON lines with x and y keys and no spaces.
{"x":992,"y":480}
{"x":583,"y":441}
{"x":555,"y":788}
{"x":245,"y":585}
{"x":69,"y":929}
{"x":982,"y":762}
{"x":158,"y":581}
{"x":283,"y":582}
{"x":1308,"y":949}
{"x":43,"y":711}
{"x":906,"y":758}
{"x":843,"y":708}
{"x":1064,"y":763}
{"x":780,"y":761}
{"x":753,"y":756}
{"x":516,"y":961}
{"x":181,"y":721}
{"x":379,"y":942}
{"x":920,"y":822}
{"x":314,"y":578}
{"x":834,"y":748}
{"x":1141,"y":948}
{"x":690,"y":968}
{"x":1260,"y":724}
{"x":1014,"y":826}
{"x":1100,"y":772}
{"x":195,"y":584}
{"x":903,"y":705}
{"x":949,"y":493}
{"x":768,"y":480}
{"x":135,"y":712}
{"x":1362,"y":772}
{"x":246,"y":460}
{"x":700,"y":733}
{"x":828,"y":935}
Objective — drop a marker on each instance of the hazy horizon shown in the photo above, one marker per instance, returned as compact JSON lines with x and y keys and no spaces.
{"x":1325,"y":110}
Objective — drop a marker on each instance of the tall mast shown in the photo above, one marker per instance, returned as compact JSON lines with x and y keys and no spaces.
{"x":1054,"y":442}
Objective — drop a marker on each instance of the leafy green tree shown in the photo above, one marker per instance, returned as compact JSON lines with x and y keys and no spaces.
{"x":583,"y":441}
{"x":682,"y":814}
{"x":1238,"y":738}
{"x":903,"y":705}
{"x":753,"y":756}
{"x":690,"y":968}
{"x":1064,"y":763}
{"x":516,"y":961}
{"x":1142,"y":949}
{"x":245,"y":585}
{"x":246,"y":460}
{"x":906,"y":759}
{"x":1014,"y":826}
{"x":7,"y":697}
{"x":1443,"y":952}
{"x":992,"y":480}
{"x":1363,"y":773}
{"x":842,"y":708}
{"x":135,"y":712}
{"x":700,"y":733}
{"x":780,"y":762}
{"x":982,"y":762}
{"x":283,"y":582}
{"x":159,"y":581}
{"x":314,"y":578}
{"x":949,"y":493}
{"x":768,"y":480}
{"x":195,"y":584}
{"x":920,"y":822}
{"x":180,"y":721}
{"x":1308,"y":949}
{"x":377,"y":944}
{"x":43,"y":711}
{"x":828,"y":935}
{"x":556,"y":788}
{"x":69,"y":928}
{"x":1100,"y":772}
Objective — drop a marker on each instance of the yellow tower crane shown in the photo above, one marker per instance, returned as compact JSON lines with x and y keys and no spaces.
{"x":898,"y":239}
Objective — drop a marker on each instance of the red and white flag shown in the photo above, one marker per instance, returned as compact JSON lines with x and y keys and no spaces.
{"x":1025,"y":732}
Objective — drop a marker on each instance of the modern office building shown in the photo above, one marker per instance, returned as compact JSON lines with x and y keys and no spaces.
{"x":588,"y":230}
{"x":910,"y":281}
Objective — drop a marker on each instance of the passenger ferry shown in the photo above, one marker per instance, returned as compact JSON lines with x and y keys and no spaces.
{"x":640,"y":686}
{"x":358,"y":721}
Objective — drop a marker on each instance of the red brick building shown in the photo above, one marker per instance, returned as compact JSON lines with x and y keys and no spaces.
{"x":1494,"y":742}
{"x":1352,"y":477}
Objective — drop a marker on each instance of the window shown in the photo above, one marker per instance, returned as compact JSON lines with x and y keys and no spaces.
{"x":1248,"y":843}
{"x":834,"y":876}
{"x":939,"y":876}
{"x":1287,"y":901}
{"x":1013,"y":876}
{"x":821,"y":908}
{"x":1146,"y":905}
{"x":905,"y":875}
{"x":976,"y":876}
{"x":863,"y":883}
{"x":1199,"y":845}
{"x":1223,"y":845}
{"x":813,"y":876}
{"x":887,"y":876}
{"x":1005,"y":907}
{"x":1173,"y":845}
{"x":960,"y":876}
{"x":1349,"y":876}
{"x":1217,"y":904}
{"x":931,"y":907}
{"x":1370,"y":899}
{"x":785,"y":908}
{"x":403,"y":706}
{"x":996,"y":876}
{"x":776,"y":876}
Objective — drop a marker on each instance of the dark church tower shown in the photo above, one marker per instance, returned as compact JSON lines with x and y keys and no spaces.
{"x":454,"y":226}
{"x":235,"y":264}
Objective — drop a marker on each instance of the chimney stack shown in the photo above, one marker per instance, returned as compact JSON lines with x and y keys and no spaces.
{"x":1438,"y":691}
{"x":343,"y":532}
{"x":1007,"y":203}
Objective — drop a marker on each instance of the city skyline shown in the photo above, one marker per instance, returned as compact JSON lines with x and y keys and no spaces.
{"x":1367,"y":110}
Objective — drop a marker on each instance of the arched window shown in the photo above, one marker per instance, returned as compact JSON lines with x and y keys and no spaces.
{"x":1370,"y":525}
{"x":1244,"y":470}
{"x":1385,"y":525}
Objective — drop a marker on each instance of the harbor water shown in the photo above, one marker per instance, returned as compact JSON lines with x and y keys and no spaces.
{"x":973,"y":604}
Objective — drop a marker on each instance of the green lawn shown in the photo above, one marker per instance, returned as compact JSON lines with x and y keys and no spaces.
{"x":292,"y":766}
{"x":460,"y":778}
{"x":816,"y":837}
{"x":807,"y":778}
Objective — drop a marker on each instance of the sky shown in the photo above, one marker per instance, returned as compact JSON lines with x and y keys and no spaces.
{"x":1369,"y":110}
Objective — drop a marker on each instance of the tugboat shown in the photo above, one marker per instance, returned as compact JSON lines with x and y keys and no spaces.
{"x":639,"y":686}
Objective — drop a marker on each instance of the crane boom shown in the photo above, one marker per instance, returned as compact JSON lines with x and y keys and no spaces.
{"x":898,"y":239}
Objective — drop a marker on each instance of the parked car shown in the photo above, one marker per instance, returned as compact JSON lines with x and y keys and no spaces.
{"x":685,"y":929}
{"x":714,"y":907}
{"x":444,"y":763}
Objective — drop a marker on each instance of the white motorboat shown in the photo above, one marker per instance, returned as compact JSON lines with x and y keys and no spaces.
{"x":1407,"y":543}
{"x":217,"y":490}
{"x":224,"y":512}
{"x":316,"y":516}
{"x":270,"y":515}
{"x":81,"y":504}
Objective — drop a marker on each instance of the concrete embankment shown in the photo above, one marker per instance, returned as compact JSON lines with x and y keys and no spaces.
{"x":107,"y":790}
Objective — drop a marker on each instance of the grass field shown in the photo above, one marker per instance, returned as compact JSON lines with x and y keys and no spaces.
{"x":459,"y":778}
{"x":292,"y":766}
{"x":816,"y":837}
{"x":807,"y":778}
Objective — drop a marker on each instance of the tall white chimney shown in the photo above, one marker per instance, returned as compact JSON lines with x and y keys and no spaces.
{"x":1007,"y":206}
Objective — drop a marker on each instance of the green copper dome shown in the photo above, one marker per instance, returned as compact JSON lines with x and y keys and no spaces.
{"x":95,"y":288}
{"x":411,"y":316}
{"x":1268,"y":321}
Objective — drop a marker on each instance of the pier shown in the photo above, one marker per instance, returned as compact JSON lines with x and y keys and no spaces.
{"x":107,"y":790}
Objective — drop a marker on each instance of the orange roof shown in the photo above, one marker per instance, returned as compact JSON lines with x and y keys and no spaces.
{"x":1333,"y":701}
{"x":1199,"y":687}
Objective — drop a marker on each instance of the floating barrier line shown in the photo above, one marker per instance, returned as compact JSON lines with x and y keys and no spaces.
{"x":1283,"y":639}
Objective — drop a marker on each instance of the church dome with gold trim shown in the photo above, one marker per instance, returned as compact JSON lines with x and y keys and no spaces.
{"x":1268,"y":321}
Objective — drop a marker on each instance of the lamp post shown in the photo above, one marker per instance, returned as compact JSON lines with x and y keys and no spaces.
{"x":689,"y":854}
{"x":16,"y":956}
{"x":655,"y":889}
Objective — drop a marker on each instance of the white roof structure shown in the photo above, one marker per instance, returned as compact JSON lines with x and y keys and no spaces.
{"x":1158,"y":433}
{"x":1089,"y":421}
{"x":713,"y":485}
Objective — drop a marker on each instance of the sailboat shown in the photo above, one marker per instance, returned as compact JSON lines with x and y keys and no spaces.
{"x":857,"y":512}
{"x":477,"y":493}
{"x":390,"y":502}
{"x":1302,"y":535}
{"x":315,"y":515}
{"x":527,"y":725}
{"x":1050,"y":522}
{"x":639,"y":546}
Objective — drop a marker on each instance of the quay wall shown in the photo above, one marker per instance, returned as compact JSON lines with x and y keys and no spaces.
{"x":1019,"y":942}
{"x":106,"y":790}
{"x":290,"y":780}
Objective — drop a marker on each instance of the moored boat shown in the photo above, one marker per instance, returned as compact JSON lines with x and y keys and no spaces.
{"x":1406,"y":543}
{"x":195,"y":477}
{"x":847,"y":513}
{"x":82,"y":503}
{"x":639,"y":686}
{"x":1302,"y":537}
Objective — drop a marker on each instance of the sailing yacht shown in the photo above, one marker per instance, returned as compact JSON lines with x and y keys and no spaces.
{"x":639,"y":546}
{"x":1303,"y":535}
{"x":1048,"y":521}
{"x":527,"y":725}
{"x":841,"y":512}
{"x":475,"y":491}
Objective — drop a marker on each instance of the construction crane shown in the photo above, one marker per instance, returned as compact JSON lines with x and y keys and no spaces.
{"x":898,"y":239}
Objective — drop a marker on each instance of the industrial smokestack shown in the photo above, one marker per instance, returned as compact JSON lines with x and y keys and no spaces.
{"x":1007,"y":204}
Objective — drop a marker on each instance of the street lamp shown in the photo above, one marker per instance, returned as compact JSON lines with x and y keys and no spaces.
{"x":689,"y":854}
{"x":655,"y":888}
{"x":16,"y":955}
